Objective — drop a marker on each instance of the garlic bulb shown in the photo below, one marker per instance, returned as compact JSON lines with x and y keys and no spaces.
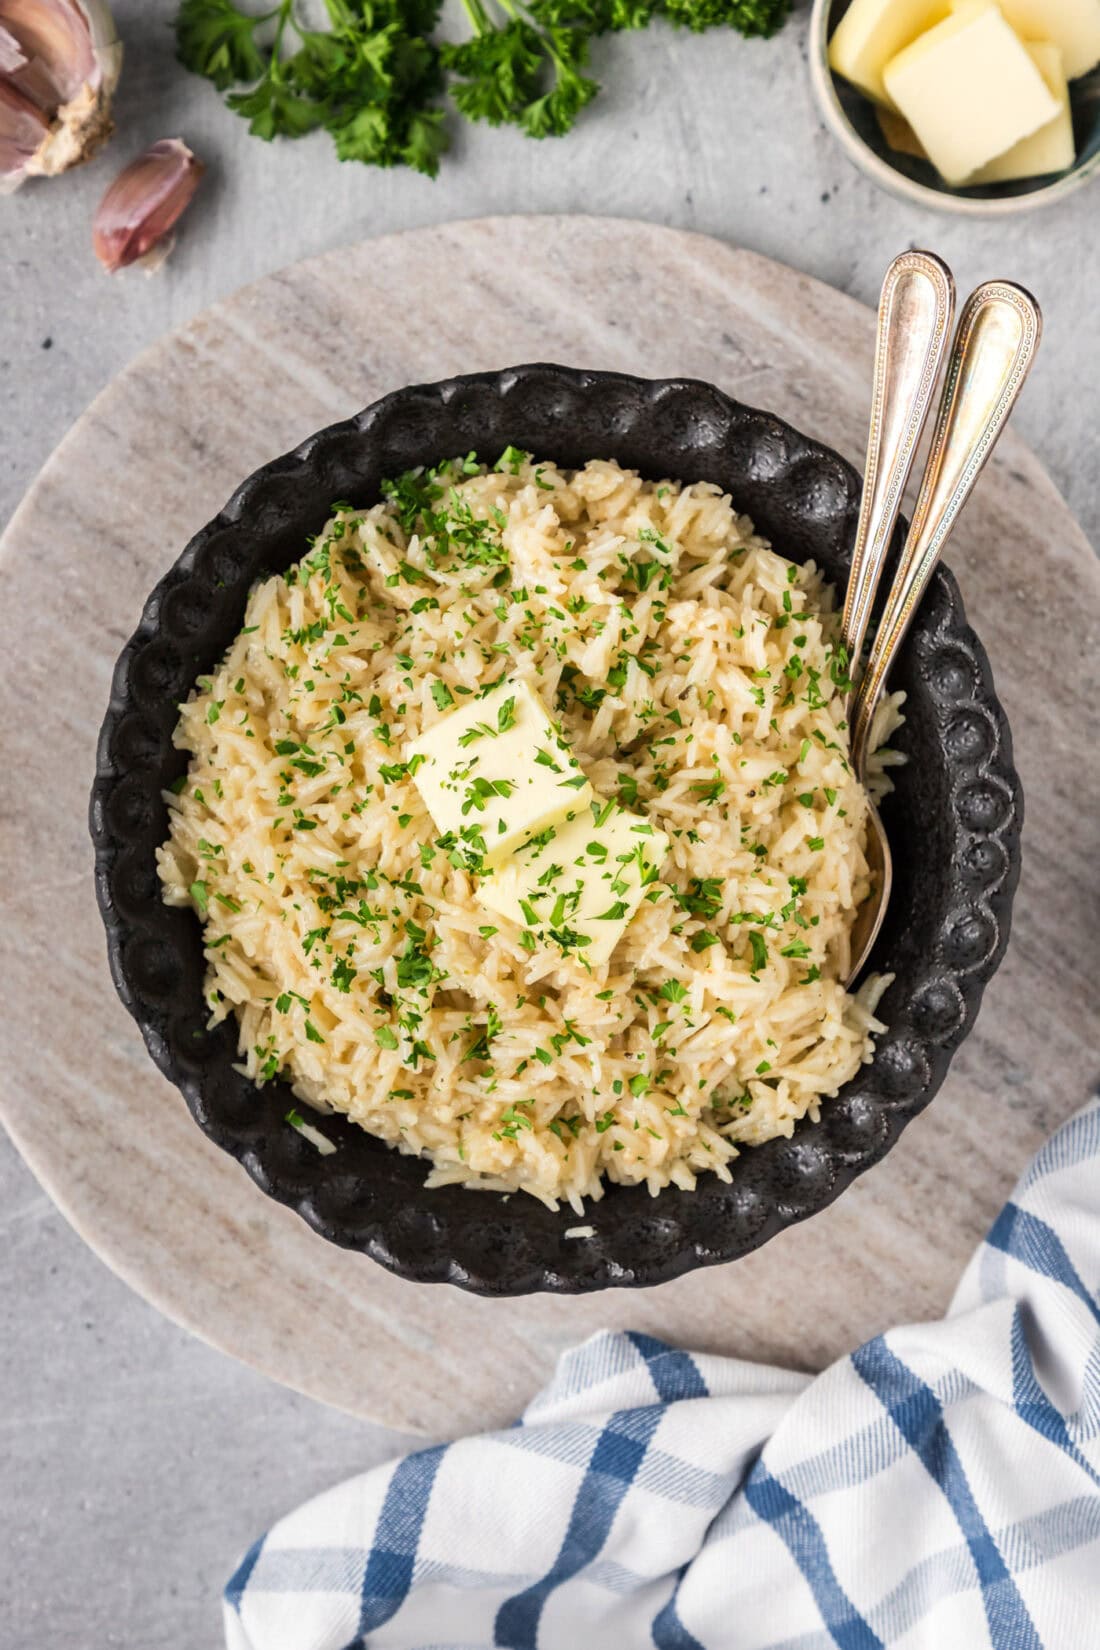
{"x":59,"y":66}
{"x":134,"y":220}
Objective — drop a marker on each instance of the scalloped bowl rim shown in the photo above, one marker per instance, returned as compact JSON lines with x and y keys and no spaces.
{"x":784,"y":1163}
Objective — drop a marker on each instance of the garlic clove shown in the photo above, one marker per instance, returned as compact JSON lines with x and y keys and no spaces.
{"x":135,"y":218}
{"x":55,"y":38}
{"x":63,"y":57}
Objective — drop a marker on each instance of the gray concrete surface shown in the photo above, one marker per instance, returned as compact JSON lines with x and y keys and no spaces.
{"x":136,"y":1463}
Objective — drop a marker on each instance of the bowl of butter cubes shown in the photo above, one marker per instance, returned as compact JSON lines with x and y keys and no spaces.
{"x":969,"y":106}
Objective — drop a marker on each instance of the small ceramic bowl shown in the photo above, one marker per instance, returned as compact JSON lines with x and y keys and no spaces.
{"x":954,"y":824}
{"x":851,"y":118}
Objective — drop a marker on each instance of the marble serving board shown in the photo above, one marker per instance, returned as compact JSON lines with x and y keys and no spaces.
{"x":154,"y":457}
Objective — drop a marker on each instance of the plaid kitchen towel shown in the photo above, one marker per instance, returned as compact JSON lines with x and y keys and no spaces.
{"x":937,"y":1490}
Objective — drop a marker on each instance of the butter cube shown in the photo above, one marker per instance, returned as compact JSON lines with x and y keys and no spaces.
{"x":580,"y":888}
{"x":871,"y":32}
{"x":1051,"y":148}
{"x":1071,"y":25}
{"x":496,"y":771}
{"x":969,"y":90}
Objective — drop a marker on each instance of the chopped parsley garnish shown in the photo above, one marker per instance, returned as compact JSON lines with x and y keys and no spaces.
{"x":414,"y":966}
{"x":797,"y":948}
{"x":703,"y":898}
{"x":478,"y":792}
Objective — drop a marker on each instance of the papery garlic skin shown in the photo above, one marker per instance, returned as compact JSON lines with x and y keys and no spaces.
{"x":134,"y":220}
{"x":22,"y":132}
{"x":59,"y":61}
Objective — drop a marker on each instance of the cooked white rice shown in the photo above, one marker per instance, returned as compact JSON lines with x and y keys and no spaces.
{"x":695,"y":673}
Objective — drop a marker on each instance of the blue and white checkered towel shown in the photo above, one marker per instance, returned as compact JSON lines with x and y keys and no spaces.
{"x":938,"y":1490}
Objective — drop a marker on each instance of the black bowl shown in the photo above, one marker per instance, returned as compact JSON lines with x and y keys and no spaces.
{"x":954,"y":824}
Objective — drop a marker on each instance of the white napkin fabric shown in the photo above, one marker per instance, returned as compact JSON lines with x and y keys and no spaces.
{"x":937,"y":1490}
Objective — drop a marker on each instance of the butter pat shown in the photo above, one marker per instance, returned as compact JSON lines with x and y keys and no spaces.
{"x":1051,"y":148}
{"x":969,"y":90}
{"x":1071,"y":25}
{"x":496,"y":771}
{"x":580,"y":888}
{"x":871,"y":32}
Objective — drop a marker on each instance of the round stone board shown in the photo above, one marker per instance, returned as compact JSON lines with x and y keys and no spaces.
{"x":158,"y":454}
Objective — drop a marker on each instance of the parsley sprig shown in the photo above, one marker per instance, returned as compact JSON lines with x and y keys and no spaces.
{"x":518,"y":71}
{"x":376,"y":77}
{"x":372,"y":80}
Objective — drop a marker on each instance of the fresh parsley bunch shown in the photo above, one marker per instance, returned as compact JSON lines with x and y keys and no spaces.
{"x":376,"y":77}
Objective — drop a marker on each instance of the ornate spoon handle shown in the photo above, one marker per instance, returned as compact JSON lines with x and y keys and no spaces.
{"x":998,"y":335}
{"x":914,"y":322}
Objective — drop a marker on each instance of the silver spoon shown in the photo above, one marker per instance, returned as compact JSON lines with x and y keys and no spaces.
{"x":915,"y":311}
{"x":998,"y":335}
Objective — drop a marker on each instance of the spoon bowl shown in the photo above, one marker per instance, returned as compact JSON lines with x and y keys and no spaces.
{"x":872,"y":913}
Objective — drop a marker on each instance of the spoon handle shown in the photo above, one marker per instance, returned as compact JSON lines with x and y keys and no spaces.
{"x":914,"y":321}
{"x":998,"y":335}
